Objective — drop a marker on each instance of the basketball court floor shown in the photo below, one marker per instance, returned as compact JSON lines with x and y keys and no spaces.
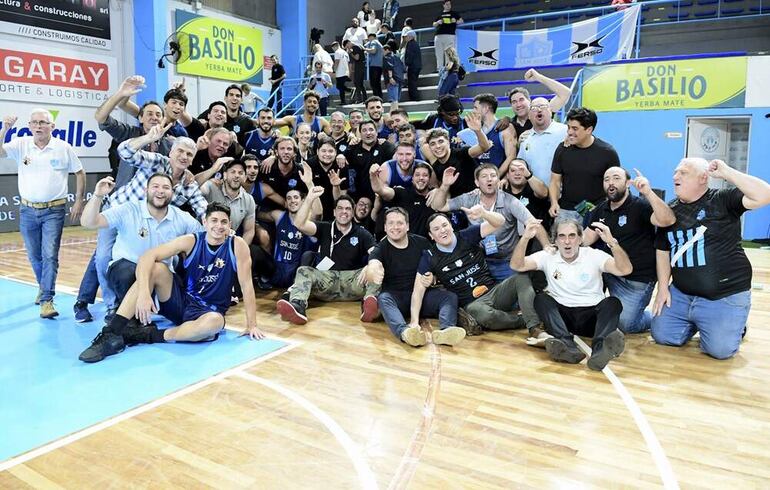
{"x":341,"y":404}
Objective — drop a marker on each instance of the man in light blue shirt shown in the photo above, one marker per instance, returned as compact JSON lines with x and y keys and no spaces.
{"x":320,"y":83}
{"x":538,"y":145}
{"x":375,"y":53}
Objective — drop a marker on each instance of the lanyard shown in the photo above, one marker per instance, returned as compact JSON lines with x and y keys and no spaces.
{"x":333,"y":243}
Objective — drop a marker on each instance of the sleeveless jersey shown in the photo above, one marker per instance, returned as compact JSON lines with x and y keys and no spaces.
{"x":210,"y":273}
{"x":315,"y":126}
{"x":496,"y":154}
{"x":396,"y":179}
{"x":258,"y":146}
{"x":290,"y":244}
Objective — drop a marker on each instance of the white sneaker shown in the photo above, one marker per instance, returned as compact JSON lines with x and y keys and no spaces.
{"x":448,"y":336}
{"x":414,"y":336}
{"x":539,"y":340}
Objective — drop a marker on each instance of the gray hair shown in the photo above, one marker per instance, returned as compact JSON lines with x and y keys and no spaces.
{"x":184,"y":142}
{"x":700,"y":165}
{"x":565,"y":221}
{"x":40,"y":110}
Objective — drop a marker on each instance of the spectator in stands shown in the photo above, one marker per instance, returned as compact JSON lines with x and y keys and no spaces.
{"x":446,"y":27}
{"x":320,"y":83}
{"x":711,"y":288}
{"x":390,"y":12}
{"x":448,"y":74}
{"x":632,"y":220}
{"x":341,"y":69}
{"x":358,"y":67}
{"x":355,"y":33}
{"x":393,"y":73}
{"x":277,"y":75}
{"x":373,"y":49}
{"x":520,"y":99}
{"x":365,"y":13}
{"x":542,"y":139}
{"x":322,"y":56}
{"x":413,"y":63}
{"x":250,"y":99}
{"x":372,"y":25}
{"x":407,"y":27}
{"x":575,"y":303}
{"x":385,"y":35}
{"x":577,"y":173}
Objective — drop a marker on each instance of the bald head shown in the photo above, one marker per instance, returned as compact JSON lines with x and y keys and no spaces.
{"x":540,"y":113}
{"x":691,"y":179}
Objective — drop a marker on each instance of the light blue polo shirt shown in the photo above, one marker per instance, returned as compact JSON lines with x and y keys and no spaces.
{"x":539,"y":148}
{"x":138,"y":231}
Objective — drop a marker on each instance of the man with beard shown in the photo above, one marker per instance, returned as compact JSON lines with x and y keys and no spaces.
{"x":285,"y":175}
{"x":310,"y":107}
{"x":355,"y":33}
{"x":196,"y":304}
{"x":217,"y":116}
{"x":545,"y":136}
{"x":710,"y":290}
{"x":340,"y":275}
{"x":447,"y":117}
{"x":503,"y":141}
{"x":260,"y":141}
{"x":632,"y":220}
{"x":138,"y":225}
{"x":574,"y":303}
{"x":237,"y":121}
{"x":363,"y":155}
{"x":393,"y":264}
{"x":578,"y":170}
{"x":398,"y":171}
{"x":327,"y":174}
{"x":522,"y":184}
{"x":374,"y":111}
{"x":290,"y":243}
{"x":462,"y":159}
{"x":412,"y":198}
{"x":362,"y":214}
{"x":520,"y":100}
{"x":258,"y":190}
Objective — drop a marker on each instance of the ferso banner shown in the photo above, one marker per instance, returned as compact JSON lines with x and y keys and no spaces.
{"x":216,"y":48}
{"x":681,"y":84}
{"x":606,"y":38}
{"x":81,"y":22}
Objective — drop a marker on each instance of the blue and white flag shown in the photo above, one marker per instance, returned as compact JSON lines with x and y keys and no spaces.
{"x":606,"y":38}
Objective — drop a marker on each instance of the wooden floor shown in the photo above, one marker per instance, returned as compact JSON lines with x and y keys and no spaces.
{"x":490,"y":413}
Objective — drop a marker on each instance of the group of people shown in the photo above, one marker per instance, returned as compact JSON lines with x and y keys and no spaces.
{"x":485,"y":223}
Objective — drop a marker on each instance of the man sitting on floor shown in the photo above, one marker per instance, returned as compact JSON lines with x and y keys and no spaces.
{"x":196,"y":303}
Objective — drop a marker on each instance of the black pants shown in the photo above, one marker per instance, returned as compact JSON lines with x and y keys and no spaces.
{"x":341,"y":81}
{"x":412,"y":77}
{"x":586,"y":321}
{"x":121,"y":275}
{"x":276,"y":98}
{"x":323,"y":105}
{"x":359,"y":74}
{"x":375,"y":80}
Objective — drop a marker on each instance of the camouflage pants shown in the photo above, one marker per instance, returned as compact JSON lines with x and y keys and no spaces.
{"x":329,"y":285}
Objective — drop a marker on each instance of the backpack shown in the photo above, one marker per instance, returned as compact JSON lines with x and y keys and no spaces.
{"x":461,"y":72}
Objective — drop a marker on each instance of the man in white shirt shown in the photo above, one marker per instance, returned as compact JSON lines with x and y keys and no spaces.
{"x":341,"y":69}
{"x":574,"y":302}
{"x":355,"y":33}
{"x":44,"y":164}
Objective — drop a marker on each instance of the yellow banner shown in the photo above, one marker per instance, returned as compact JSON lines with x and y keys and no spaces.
{"x":219,"y":49}
{"x":665,"y":85}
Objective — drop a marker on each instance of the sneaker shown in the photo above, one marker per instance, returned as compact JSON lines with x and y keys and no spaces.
{"x":291,"y":311}
{"x":136,"y":333}
{"x":111,"y":312}
{"x":105,"y":344}
{"x":466,"y":321}
{"x":47,"y":310}
{"x":82,"y":315}
{"x":561,"y":352}
{"x":234,"y":300}
{"x":612,"y":347}
{"x":264,"y":284}
{"x":39,"y":295}
{"x":448,"y":336}
{"x":369,"y":309}
{"x":537,"y":337}
{"x":414,"y":336}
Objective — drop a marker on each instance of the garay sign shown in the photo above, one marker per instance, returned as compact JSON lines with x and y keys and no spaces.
{"x":216,"y":48}
{"x":28,"y":75}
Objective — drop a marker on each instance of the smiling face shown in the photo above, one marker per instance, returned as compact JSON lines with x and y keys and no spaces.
{"x":374,"y":109}
{"x":420,"y":179}
{"x":151,"y":116}
{"x":615,"y":184}
{"x":217,"y":225}
{"x":234,"y":177}
{"x":217,"y":116}
{"x":487,"y":181}
{"x":396,"y":226}
{"x":439,"y":147}
{"x":343,"y":212}
{"x":159,"y":192}
{"x":368,"y":134}
{"x":252,"y":171}
{"x":327,"y":153}
{"x":520,"y":104}
{"x":405,"y":157}
{"x":293,"y":201}
{"x":578,"y":135}
{"x":356,"y":118}
{"x":266,"y":121}
{"x":304,"y":134}
{"x":173,"y":109}
{"x":219,"y":144}
{"x":286,"y":152}
{"x":233,"y":99}
{"x":440,"y":230}
{"x":363,"y":208}
{"x":568,"y":239}
{"x":311,"y":105}
{"x":337,"y":122}
{"x":181,"y":157}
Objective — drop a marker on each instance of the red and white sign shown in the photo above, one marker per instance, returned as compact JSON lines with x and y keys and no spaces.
{"x":29,"y":75}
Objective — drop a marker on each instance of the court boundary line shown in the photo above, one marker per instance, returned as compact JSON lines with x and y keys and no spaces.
{"x":83,"y":433}
{"x":365,"y":473}
{"x":656,"y":450}
{"x":24,"y":249}
{"x":407,"y":467}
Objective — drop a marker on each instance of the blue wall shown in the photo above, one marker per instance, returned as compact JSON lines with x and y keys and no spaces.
{"x":292,"y":21}
{"x":150,"y":33}
{"x":639,"y":138}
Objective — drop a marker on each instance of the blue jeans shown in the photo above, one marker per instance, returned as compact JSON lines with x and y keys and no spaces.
{"x":89,"y":285}
{"x":448,"y":84}
{"x":394,"y":92}
{"x":500,"y":269}
{"x":105,"y":239}
{"x":436,"y":302}
{"x":634,"y":296}
{"x":720,"y":322}
{"x":41,"y":230}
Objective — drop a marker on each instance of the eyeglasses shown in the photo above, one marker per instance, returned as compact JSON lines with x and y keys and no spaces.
{"x":39,"y":123}
{"x":539,"y":107}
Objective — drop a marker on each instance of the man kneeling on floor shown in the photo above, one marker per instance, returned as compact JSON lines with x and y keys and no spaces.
{"x":196,"y":303}
{"x":574,"y":302}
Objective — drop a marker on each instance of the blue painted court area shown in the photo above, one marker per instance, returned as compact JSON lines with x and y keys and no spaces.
{"x":46,"y":393}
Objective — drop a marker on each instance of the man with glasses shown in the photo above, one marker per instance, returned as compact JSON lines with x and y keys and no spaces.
{"x":43,"y":164}
{"x":520,"y":99}
{"x":545,"y":137}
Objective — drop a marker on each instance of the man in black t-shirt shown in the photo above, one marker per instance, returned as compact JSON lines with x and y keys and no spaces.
{"x":237,"y":121}
{"x":711,"y":288}
{"x":413,"y":199}
{"x":578,"y":170}
{"x":446,"y":28}
{"x":632,"y":221}
{"x":457,"y":261}
{"x":340,"y":270}
{"x":363,"y":155}
{"x":284,"y":174}
{"x":277,"y":74}
{"x":393,"y":263}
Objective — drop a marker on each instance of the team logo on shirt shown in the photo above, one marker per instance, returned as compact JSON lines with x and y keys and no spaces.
{"x":376,"y":152}
{"x":557,"y":274}
{"x":292,"y":182}
{"x":622,"y":220}
{"x":701,"y":214}
{"x":263,"y":152}
{"x":524,"y":201}
{"x":219,"y":263}
{"x":143,"y":232}
{"x":237,"y":128}
{"x":343,"y":148}
{"x":584,"y":277}
{"x":354,"y":240}
{"x":26,"y":161}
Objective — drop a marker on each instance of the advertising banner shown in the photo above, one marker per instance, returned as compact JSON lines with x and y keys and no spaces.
{"x":216,"y":48}
{"x":606,"y":38}
{"x":81,"y":22}
{"x":29,"y":74}
{"x":680,"y":84}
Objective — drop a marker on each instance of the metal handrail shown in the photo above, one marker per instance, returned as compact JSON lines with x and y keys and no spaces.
{"x":292,"y":101}
{"x":575,"y":98}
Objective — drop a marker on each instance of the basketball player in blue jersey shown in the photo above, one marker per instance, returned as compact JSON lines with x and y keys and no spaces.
{"x":310,"y":107}
{"x":290,"y":243}
{"x":374,"y":110}
{"x":196,"y":303}
{"x":504,"y":143}
{"x":447,"y":117}
{"x":407,"y":134}
{"x":260,"y":141}
{"x":398,"y":171}
{"x":258,"y":190}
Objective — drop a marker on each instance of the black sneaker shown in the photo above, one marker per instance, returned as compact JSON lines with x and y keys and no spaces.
{"x":136,"y":333}
{"x":561,"y":352}
{"x":111,"y":312}
{"x":612,"y":346}
{"x":291,"y":311}
{"x":105,"y":344}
